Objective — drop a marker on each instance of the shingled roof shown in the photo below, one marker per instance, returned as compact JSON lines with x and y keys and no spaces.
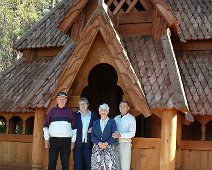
{"x":196,"y":71}
{"x":195,"y":18}
{"x":16,"y":81}
{"x":153,"y":62}
{"x":30,"y":85}
{"x":152,"y":68}
{"x":46,"y":33}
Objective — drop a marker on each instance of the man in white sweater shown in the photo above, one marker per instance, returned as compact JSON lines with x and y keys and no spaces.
{"x":126,"y":126}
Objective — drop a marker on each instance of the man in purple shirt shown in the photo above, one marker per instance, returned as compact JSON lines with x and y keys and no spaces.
{"x":59,"y":132}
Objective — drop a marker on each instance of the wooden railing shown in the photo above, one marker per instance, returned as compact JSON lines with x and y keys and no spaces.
{"x":16,"y":138}
{"x":146,"y":143}
{"x":196,"y":145}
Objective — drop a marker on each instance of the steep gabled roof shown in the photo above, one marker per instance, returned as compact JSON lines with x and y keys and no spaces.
{"x":46,"y":33}
{"x":196,"y":71}
{"x":100,"y":23}
{"x":30,"y":85}
{"x":194,"y":17}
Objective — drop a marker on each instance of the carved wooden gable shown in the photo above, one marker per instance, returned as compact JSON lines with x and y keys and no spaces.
{"x":100,"y":29}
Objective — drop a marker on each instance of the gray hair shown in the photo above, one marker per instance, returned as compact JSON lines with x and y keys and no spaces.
{"x":83,"y":99}
{"x":104,"y":106}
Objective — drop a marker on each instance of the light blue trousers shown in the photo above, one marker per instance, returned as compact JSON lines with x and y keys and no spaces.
{"x":123,"y":156}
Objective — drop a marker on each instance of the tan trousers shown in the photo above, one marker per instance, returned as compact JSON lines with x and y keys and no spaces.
{"x":123,"y":156}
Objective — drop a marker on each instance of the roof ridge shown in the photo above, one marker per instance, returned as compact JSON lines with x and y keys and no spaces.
{"x":174,"y":74}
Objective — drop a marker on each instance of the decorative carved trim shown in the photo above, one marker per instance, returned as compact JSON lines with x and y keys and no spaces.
{"x":131,"y":83}
{"x":71,"y":16}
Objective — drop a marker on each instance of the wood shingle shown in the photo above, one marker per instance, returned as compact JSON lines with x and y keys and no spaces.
{"x":195,"y":18}
{"x":153,"y":71}
{"x":196,"y":72}
{"x":30,"y":85}
{"x":46,"y":33}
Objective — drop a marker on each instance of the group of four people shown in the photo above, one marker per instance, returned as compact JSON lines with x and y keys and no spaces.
{"x":98,"y":144}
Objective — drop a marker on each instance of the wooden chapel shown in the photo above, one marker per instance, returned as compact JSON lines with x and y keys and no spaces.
{"x":157,"y":54}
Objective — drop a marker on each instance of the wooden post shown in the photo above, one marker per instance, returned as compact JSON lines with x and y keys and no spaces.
{"x":8,"y":125}
{"x":203,"y":128}
{"x":24,"y":126}
{"x":168,"y":139}
{"x":179,"y":138}
{"x":38,"y":145}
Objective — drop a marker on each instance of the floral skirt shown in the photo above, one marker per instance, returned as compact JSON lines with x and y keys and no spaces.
{"x":103,"y":159}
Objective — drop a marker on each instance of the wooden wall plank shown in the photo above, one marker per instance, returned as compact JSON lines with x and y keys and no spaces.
{"x":132,"y":29}
{"x":15,"y":153}
{"x":16,"y":138}
{"x":135,"y":17}
{"x":145,"y":143}
{"x":198,"y":160}
{"x":145,"y":154}
{"x":196,"y":145}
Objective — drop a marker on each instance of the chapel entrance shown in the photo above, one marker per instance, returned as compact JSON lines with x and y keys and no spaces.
{"x":102,"y":88}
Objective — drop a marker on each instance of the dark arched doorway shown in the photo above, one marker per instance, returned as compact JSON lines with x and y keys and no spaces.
{"x":102,"y":88}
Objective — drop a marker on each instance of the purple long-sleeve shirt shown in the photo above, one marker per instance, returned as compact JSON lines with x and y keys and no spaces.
{"x":59,"y":122}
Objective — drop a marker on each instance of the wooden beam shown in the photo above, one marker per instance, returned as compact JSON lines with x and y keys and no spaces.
{"x":16,"y":138}
{"x":196,"y":145}
{"x":118,"y":7}
{"x":146,"y":143}
{"x":48,"y":52}
{"x":132,"y":29}
{"x":131,"y":6}
{"x":193,"y":46}
{"x":135,"y":17}
{"x":147,"y":4}
{"x":73,"y":101}
{"x":165,"y":11}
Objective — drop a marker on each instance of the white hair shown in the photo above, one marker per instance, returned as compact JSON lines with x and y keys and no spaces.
{"x":104,"y":106}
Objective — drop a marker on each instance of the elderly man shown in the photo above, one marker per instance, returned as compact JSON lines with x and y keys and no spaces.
{"x":59,"y":133}
{"x":126,"y":126}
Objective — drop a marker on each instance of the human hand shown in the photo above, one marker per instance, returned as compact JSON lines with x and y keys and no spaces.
{"x":72,"y":146}
{"x":46,"y":144}
{"x":116,"y":135}
{"x":90,"y":130}
{"x":102,"y":145}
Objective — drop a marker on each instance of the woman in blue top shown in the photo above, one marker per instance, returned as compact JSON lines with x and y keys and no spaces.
{"x":103,"y":154}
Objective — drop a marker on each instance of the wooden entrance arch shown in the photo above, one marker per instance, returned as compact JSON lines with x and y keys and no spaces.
{"x":102,"y":88}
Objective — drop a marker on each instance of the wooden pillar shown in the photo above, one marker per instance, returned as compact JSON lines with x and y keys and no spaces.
{"x":38,"y":145}
{"x":168,"y":139}
{"x":179,"y":138}
{"x":8,"y":125}
{"x":24,"y":126}
{"x":203,"y":128}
